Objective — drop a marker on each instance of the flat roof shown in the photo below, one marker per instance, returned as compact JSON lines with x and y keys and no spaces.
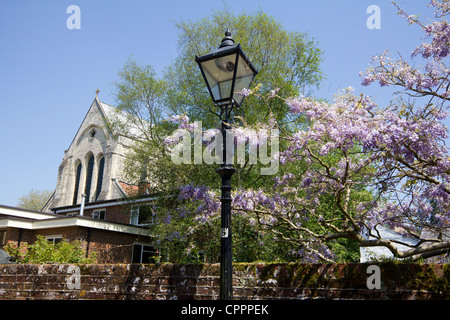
{"x":25,"y":213}
{"x":75,"y":221}
{"x":34,"y":220}
{"x":104,"y":203}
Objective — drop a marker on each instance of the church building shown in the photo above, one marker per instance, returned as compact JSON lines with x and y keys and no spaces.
{"x":92,"y":202}
{"x":93,"y":163}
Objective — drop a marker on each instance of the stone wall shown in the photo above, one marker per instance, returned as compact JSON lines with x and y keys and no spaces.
{"x":201,"y":282}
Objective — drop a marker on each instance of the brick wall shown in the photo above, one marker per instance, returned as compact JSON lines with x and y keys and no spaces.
{"x":110,"y":247}
{"x":200,"y":282}
{"x":117,"y":213}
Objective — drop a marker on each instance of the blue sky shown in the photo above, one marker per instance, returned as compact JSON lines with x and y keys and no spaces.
{"x":49,"y":73}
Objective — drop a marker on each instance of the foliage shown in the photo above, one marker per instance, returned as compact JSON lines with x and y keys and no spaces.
{"x":287,"y":60}
{"x":360,"y":165}
{"x":44,"y":251}
{"x":34,"y":200}
{"x":346,"y":166}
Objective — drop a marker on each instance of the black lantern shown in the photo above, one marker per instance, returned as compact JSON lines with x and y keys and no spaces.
{"x":227,"y":71}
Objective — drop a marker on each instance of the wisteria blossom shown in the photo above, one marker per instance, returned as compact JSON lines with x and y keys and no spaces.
{"x":358,"y":165}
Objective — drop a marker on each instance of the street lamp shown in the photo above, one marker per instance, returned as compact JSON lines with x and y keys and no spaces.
{"x":226,"y":72}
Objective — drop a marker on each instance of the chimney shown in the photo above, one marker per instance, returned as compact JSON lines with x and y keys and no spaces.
{"x":83,"y":200}
{"x":143,"y":185}
{"x":143,"y":188}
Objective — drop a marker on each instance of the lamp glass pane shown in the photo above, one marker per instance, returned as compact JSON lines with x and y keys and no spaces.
{"x":219,"y":75}
{"x":222,"y":90}
{"x":244,"y":78}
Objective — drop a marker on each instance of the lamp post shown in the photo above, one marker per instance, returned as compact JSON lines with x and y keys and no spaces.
{"x":226,"y":71}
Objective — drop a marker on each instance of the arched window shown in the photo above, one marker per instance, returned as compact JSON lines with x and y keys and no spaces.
{"x":90,"y":169}
{"x":77,"y":182}
{"x":101,"y":167}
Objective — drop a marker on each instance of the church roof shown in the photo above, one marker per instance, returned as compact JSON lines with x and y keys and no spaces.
{"x":121,"y":122}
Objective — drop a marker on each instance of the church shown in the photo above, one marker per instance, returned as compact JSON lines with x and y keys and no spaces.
{"x":93,"y":163}
{"x":91,"y":201}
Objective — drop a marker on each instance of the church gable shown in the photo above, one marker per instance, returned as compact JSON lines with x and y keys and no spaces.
{"x":92,"y":162}
{"x":95,"y":122}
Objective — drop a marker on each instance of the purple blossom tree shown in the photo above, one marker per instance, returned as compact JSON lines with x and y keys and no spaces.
{"x":363,"y":165}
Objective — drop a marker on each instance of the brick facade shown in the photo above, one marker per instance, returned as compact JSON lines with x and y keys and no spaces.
{"x":117,"y":213}
{"x":110,"y":247}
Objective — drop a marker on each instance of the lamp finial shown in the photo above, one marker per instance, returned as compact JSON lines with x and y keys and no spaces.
{"x":227,"y":40}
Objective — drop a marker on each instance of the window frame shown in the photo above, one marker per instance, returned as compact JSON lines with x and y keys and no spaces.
{"x":100,"y":173}
{"x":145,"y":250}
{"x":54,"y":238}
{"x":78,"y":169}
{"x":97,"y":214}
{"x":135,"y":217}
{"x":2,"y":236}
{"x":89,"y":176}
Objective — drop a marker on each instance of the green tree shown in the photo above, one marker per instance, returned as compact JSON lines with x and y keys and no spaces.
{"x":289,"y":61}
{"x":286,"y":60}
{"x":34,"y":199}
